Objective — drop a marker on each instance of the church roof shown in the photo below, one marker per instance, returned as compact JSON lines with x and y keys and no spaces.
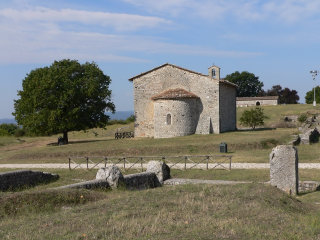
{"x":163,"y":65}
{"x":177,"y":93}
{"x":184,"y":69}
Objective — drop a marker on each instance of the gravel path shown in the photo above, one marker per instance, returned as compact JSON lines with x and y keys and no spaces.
{"x":177,"y":166}
{"x":179,"y":181}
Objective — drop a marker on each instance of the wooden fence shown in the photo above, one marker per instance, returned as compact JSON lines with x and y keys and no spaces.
{"x":177,"y":162}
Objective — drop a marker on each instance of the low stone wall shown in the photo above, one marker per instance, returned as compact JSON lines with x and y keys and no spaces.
{"x":24,"y":178}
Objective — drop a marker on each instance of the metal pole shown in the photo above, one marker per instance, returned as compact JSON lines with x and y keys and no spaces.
{"x":314,"y":95}
{"x":124,"y":163}
{"x":69,"y":163}
{"x":314,"y":73}
{"x":230,"y":162}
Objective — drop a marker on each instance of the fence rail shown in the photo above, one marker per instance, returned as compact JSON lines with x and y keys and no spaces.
{"x":177,"y":162}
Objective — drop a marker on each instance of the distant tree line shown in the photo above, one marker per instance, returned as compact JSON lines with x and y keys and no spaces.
{"x":116,"y":121}
{"x":10,"y":129}
{"x":249,"y":85}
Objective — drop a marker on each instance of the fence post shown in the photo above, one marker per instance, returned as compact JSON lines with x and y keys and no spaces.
{"x":230,"y":162}
{"x":141,"y":159}
{"x":207,"y":162}
{"x":87,"y":159}
{"x":124,"y":163}
{"x":185,"y":162}
{"x":105,"y":162}
{"x":69,"y":163}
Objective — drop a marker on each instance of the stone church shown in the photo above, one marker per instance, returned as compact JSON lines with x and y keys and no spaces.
{"x":171,"y":101}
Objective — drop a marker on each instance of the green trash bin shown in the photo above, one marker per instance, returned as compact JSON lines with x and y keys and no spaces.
{"x":223,"y":147}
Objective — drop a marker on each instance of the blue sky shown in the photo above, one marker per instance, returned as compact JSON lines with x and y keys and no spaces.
{"x":276,"y":40}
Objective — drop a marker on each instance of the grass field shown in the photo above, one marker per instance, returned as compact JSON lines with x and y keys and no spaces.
{"x":243,"y":145}
{"x":248,"y":211}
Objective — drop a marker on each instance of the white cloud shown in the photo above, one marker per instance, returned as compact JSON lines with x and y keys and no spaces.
{"x":289,"y":11}
{"x":120,"y":21}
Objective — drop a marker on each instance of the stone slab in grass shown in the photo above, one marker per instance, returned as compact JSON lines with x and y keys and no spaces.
{"x":284,"y":168}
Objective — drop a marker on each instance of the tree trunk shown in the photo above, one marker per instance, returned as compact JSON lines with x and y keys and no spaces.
{"x":65,"y":137}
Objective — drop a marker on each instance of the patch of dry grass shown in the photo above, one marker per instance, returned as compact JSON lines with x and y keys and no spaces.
{"x":250,"y":211}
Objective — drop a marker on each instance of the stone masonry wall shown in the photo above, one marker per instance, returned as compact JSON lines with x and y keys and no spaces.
{"x":169,"y":77}
{"x":184,"y":117}
{"x":228,"y":110}
{"x":254,"y":102}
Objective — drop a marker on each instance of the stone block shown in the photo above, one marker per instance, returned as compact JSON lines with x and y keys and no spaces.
{"x":141,"y":181}
{"x":24,"y":178}
{"x":161,"y":169}
{"x":310,"y":136}
{"x":112,"y":175}
{"x":284,"y":168}
{"x":92,"y":184}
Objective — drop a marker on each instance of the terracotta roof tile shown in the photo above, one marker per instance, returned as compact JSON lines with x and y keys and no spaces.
{"x":177,"y":93}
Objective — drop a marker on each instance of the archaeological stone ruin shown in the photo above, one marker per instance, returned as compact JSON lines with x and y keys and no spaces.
{"x":111,"y":177}
{"x":14,"y":180}
{"x":284,"y":169}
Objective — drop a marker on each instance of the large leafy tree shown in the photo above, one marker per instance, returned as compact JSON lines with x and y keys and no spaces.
{"x":310,"y":95}
{"x":63,"y":97}
{"x":248,"y":84}
{"x":286,"y":95}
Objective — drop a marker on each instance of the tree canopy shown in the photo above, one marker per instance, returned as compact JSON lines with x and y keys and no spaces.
{"x":309,"y":96}
{"x":66,"y":96}
{"x":248,"y":84}
{"x":253,"y":117}
{"x":286,"y":95}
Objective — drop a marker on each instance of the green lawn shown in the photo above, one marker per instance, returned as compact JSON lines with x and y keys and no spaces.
{"x":243,"y":145}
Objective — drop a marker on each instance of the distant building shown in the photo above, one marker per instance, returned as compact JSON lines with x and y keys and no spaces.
{"x":257,"y":101}
{"x":171,"y":101}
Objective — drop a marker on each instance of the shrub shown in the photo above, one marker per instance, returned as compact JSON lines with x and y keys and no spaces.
{"x":302,"y":118}
{"x":4,"y":132}
{"x":9,"y":128}
{"x":253,"y":117}
{"x":19,"y":132}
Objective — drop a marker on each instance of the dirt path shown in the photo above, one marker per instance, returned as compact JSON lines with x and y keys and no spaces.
{"x":25,"y":145}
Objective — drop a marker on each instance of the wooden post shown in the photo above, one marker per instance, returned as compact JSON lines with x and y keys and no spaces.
{"x":87,"y":159}
{"x":207,"y":162}
{"x":69,"y":163}
{"x":185,"y":162}
{"x":230,"y":162}
{"x":141,"y":163}
{"x":105,"y":162}
{"x":124,"y":163}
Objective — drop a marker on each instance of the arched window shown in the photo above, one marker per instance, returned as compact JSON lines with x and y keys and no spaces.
{"x":213,"y":71}
{"x":257,"y":103}
{"x":168,"y":119}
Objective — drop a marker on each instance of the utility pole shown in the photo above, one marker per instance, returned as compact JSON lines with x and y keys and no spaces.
{"x":314,"y":73}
